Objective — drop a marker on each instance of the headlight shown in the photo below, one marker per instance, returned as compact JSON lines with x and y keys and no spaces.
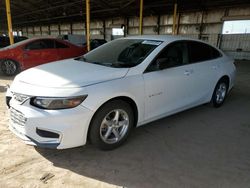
{"x":57,"y":103}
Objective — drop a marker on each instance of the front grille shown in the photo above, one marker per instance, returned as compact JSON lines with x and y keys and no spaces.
{"x":17,"y":117}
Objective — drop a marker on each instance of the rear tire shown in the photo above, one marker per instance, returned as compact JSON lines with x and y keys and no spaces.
{"x":111,"y":125}
{"x":10,"y":67}
{"x":220,"y":93}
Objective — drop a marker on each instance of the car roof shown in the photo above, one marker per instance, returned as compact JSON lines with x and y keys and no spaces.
{"x":48,"y":38}
{"x":18,"y":44}
{"x":168,"y":39}
{"x":155,"y":37}
{"x":165,"y":38}
{"x":39,"y":38}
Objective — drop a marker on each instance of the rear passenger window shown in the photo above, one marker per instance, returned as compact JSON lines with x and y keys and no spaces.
{"x":201,"y":52}
{"x":61,"y":45}
{"x":215,"y":53}
{"x":49,"y":44}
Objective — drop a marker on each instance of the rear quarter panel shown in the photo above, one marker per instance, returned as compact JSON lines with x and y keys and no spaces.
{"x":227,"y":68}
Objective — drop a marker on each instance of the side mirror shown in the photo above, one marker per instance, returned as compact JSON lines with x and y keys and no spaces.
{"x":161,"y":63}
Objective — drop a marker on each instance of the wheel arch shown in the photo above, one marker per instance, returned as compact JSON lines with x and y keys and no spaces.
{"x":226,"y":78}
{"x":19,"y":65}
{"x":126,"y":99}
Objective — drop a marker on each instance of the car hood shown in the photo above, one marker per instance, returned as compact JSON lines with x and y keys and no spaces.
{"x":68,"y":74}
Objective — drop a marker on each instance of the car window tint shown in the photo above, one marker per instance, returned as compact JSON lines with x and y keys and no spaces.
{"x":121,"y":53}
{"x":48,"y":43}
{"x":40,"y":44}
{"x":175,"y":54}
{"x":201,"y":52}
{"x":215,"y":53}
{"x":37,"y":45}
{"x":135,"y":53}
{"x":61,"y":45}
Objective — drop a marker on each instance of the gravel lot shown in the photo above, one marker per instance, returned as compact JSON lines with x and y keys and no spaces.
{"x":202,"y":147}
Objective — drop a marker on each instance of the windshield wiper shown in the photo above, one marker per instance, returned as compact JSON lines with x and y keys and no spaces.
{"x":98,"y":63}
{"x":82,"y":58}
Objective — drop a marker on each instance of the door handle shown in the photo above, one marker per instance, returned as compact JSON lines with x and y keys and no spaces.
{"x":214,"y":67}
{"x":25,"y":55}
{"x":187,"y":72}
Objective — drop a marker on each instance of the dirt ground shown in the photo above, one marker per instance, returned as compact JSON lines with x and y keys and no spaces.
{"x":199,"y":148}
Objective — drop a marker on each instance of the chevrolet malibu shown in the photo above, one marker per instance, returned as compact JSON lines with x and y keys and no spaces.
{"x":123,"y":84}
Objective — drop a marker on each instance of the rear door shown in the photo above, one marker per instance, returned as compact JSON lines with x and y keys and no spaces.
{"x":204,"y":61}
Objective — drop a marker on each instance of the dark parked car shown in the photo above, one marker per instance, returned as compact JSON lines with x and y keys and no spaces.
{"x":94,"y":43}
{"x":80,"y":40}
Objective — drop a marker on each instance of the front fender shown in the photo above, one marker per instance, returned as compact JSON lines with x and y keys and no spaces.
{"x":131,"y":87}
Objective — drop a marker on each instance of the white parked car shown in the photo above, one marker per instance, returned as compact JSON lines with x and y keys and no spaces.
{"x":123,"y":84}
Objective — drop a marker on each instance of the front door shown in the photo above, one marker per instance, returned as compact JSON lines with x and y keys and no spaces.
{"x":167,"y":81}
{"x":39,"y":52}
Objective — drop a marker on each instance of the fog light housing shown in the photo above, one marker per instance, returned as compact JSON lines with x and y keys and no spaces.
{"x":46,"y":134}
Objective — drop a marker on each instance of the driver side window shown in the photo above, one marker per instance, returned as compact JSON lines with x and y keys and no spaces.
{"x":135,"y":53}
{"x":40,"y":44}
{"x":175,"y":54}
{"x":36,"y":45}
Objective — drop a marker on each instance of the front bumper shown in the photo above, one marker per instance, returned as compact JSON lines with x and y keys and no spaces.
{"x":71,"y":125}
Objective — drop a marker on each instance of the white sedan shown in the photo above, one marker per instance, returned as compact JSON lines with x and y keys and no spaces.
{"x":123,"y":84}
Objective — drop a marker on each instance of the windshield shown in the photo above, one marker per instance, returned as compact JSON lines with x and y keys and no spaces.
{"x":121,"y":52}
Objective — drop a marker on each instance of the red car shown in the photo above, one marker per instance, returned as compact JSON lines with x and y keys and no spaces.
{"x":33,"y":52}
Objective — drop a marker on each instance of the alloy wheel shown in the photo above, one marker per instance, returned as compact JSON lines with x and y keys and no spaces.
{"x":221,"y":92}
{"x":114,"y":126}
{"x":9,"y":67}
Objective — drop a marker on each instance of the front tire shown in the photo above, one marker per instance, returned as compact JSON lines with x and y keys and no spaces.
{"x":220,"y":93}
{"x":10,"y":67}
{"x":111,"y":125}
